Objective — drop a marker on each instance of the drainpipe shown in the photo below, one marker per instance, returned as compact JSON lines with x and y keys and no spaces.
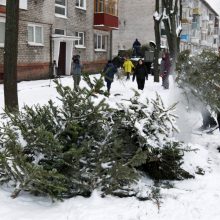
{"x":111,"y":45}
{"x":51,"y":52}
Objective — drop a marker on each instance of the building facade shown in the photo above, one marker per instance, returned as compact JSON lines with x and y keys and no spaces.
{"x":200,"y":24}
{"x":35,"y":25}
{"x":55,"y":30}
{"x":135,"y":21}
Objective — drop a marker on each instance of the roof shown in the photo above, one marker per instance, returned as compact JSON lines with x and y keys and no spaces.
{"x":209,"y":6}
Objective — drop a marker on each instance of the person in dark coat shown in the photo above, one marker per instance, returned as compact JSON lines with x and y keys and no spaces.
{"x":109,"y":72}
{"x":218,"y":119}
{"x":76,"y":71}
{"x":141,"y":74}
{"x":165,"y":69}
{"x":136,"y":47}
{"x":207,"y":120}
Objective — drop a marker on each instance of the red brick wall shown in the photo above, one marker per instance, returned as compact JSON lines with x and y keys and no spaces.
{"x":94,"y":67}
{"x":30,"y":71}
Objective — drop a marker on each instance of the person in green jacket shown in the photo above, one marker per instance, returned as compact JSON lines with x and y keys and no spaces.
{"x":128,"y":66}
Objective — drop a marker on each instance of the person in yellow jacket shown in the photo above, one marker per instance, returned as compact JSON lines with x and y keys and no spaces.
{"x":128,"y":65}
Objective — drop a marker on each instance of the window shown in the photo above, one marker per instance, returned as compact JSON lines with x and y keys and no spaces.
{"x":100,"y":42}
{"x":60,"y":8}
{"x":2,"y":32}
{"x":211,"y":17}
{"x":81,"y":41}
{"x":107,"y":6}
{"x":203,"y":36}
{"x":81,"y":4}
{"x":59,"y":31}
{"x":22,"y":3}
{"x":35,"y":35}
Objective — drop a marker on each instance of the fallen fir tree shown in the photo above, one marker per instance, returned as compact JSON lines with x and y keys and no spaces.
{"x":71,"y":149}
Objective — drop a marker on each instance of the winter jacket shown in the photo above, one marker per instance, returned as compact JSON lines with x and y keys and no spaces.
{"x":128,"y":65}
{"x":140,"y":72}
{"x":136,"y":43}
{"x":165,"y":65}
{"x":76,"y":69}
{"x":109,"y":71}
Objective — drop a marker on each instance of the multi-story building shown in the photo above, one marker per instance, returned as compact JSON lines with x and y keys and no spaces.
{"x":135,"y":21}
{"x":200,"y":26}
{"x":55,"y":30}
{"x":35,"y":26}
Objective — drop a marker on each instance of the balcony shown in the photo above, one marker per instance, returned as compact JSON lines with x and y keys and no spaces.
{"x":106,"y":15}
{"x":184,"y":37}
{"x":204,"y":30}
{"x":186,"y":20}
{"x":196,"y":11}
{"x":195,"y":40}
{"x":205,"y":17}
{"x":216,"y":32}
{"x":2,"y":9}
{"x":195,"y":26}
{"x":105,"y":21}
{"x":204,"y":43}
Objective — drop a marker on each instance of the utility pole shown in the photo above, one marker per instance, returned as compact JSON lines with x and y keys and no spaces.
{"x":10,"y":55}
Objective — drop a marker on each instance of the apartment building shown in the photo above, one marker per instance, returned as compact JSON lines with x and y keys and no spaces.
{"x":55,"y":30}
{"x":34,"y":45}
{"x":200,"y":24}
{"x":135,"y":21}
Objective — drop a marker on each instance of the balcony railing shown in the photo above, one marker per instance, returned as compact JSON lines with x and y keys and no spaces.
{"x":216,"y":31}
{"x":195,"y":25}
{"x":195,"y":40}
{"x":186,"y":20}
{"x":196,"y":11}
{"x":204,"y":42}
{"x":106,"y":14}
{"x":205,"y":17}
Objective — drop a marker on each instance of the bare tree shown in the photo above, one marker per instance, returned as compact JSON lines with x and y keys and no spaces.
{"x":10,"y":56}
{"x":171,"y":20}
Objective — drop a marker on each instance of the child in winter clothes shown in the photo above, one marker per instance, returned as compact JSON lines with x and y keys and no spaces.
{"x":128,"y":65}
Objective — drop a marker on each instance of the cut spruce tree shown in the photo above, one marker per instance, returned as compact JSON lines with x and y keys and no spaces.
{"x":82,"y":144}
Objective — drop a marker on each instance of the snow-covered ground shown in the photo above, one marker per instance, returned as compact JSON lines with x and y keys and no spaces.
{"x":192,"y":199}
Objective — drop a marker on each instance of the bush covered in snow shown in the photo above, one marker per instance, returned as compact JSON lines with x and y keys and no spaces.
{"x":199,"y":75}
{"x":82,"y":144}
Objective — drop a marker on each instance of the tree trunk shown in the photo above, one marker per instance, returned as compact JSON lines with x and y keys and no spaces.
{"x":174,"y":14}
{"x":10,"y":56}
{"x":180,"y":19}
{"x":157,"y":49}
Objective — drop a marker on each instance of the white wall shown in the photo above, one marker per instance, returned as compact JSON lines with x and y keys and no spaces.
{"x":135,"y":21}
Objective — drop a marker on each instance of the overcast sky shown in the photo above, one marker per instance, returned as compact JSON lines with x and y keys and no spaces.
{"x":215,"y":4}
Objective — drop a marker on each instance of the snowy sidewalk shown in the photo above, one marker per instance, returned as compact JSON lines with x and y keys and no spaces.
{"x":192,"y":199}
